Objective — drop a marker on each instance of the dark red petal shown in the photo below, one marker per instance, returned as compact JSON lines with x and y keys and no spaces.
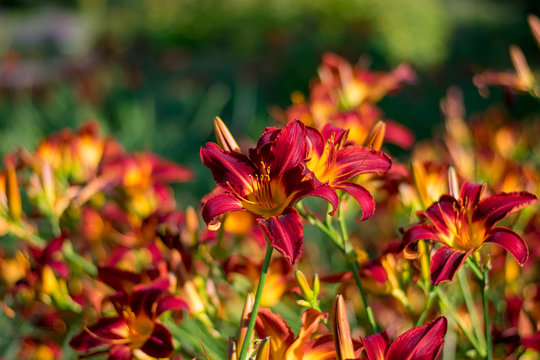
{"x":272,"y":325}
{"x":511,"y":242}
{"x":165,"y":171}
{"x":171,"y":302}
{"x":361,"y":195}
{"x":98,"y":334}
{"x":288,"y":148}
{"x":219,"y":205}
{"x":120,"y":352}
{"x":340,"y":135}
{"x":376,"y":346}
{"x":532,"y":342}
{"x":445,"y":264}
{"x":499,"y":206}
{"x":354,"y":160}
{"x":228,"y":168}
{"x":315,"y":141}
{"x":159,"y":345}
{"x":415,"y":233}
{"x":398,"y":134}
{"x":324,"y":191}
{"x":470,"y":194}
{"x":285,"y":233}
{"x":420,"y":343}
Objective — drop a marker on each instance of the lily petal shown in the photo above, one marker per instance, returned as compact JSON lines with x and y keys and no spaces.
{"x":321,"y":348}
{"x":170,"y":302}
{"x":362,"y":196}
{"x":398,"y":134}
{"x":355,"y":159}
{"x":159,"y":345}
{"x":272,"y":325}
{"x":229,"y":169}
{"x":445,"y":264}
{"x":98,"y":334}
{"x":120,"y":352}
{"x":511,"y":242}
{"x":219,"y":205}
{"x":497,"y":207}
{"x":443,"y":214}
{"x":285,"y":233}
{"x":415,"y":233}
{"x":325,"y":192}
{"x":470,"y":194}
{"x":288,"y":148}
{"x":376,"y":346}
{"x":310,"y":322}
{"x":420,"y":343}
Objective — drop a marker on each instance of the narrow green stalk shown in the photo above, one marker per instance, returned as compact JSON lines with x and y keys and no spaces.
{"x":484,"y":287}
{"x":475,"y":269}
{"x":258,"y":295}
{"x":452,"y":312}
{"x":71,"y":256}
{"x":429,"y":303}
{"x":467,"y":297}
{"x":351,"y":257}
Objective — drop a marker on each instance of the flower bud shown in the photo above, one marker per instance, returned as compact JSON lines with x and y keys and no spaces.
{"x":223,"y":136}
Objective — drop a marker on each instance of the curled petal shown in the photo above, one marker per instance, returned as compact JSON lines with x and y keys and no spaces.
{"x":415,"y":233}
{"x":420,"y":343}
{"x":325,"y":192}
{"x":273,"y":326}
{"x":219,"y":205}
{"x":159,"y":345}
{"x":164,"y":171}
{"x":445,"y":264}
{"x":171,"y":302}
{"x":285,"y":233}
{"x":361,"y":195}
{"x":398,"y":134}
{"x":376,"y":346}
{"x":229,"y":169}
{"x":99,"y":334}
{"x":497,"y":207}
{"x":354,"y":160}
{"x":511,"y":242}
{"x":443,"y":214}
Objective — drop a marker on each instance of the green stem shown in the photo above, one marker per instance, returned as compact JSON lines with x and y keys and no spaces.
{"x":452,"y":312}
{"x":475,"y":269}
{"x":351,"y":257}
{"x":467,"y":297}
{"x":484,"y":287}
{"x":429,"y":303}
{"x":258,"y":295}
{"x":71,"y":256}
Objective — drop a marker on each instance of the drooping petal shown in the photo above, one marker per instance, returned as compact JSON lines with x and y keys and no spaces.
{"x":310,"y":322}
{"x":288,"y":149}
{"x":376,"y":346}
{"x":445,"y":263}
{"x":159,"y":345}
{"x":229,"y":169}
{"x":219,"y":205}
{"x":420,"y":343}
{"x":325,"y":192}
{"x":415,"y":233}
{"x":470,"y":194}
{"x":361,"y":195}
{"x":272,"y":325}
{"x":354,"y":160}
{"x":511,"y":242}
{"x":285,"y":233}
{"x":120,"y":352}
{"x":497,"y":207}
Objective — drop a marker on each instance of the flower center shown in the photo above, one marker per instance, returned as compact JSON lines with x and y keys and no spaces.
{"x":463,"y":233}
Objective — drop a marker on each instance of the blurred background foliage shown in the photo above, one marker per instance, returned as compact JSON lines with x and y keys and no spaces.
{"x":156,"y":72}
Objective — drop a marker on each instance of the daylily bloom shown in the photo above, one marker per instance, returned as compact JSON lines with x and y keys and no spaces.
{"x":463,"y":225}
{"x":335,"y":164}
{"x":135,"y":326}
{"x":420,"y":343}
{"x":267,"y":183}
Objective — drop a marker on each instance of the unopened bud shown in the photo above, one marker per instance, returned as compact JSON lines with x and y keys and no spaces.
{"x":453,"y":187}
{"x":341,"y":330}
{"x":263,"y":351}
{"x":376,"y":136}
{"x":304,"y":285}
{"x":13,"y":195}
{"x":223,"y":136}
{"x":523,"y":70}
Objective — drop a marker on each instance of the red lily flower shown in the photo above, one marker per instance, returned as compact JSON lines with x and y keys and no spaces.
{"x":333,"y":163}
{"x":463,"y":225}
{"x":136,"y":325}
{"x":420,"y":343}
{"x":267,"y":183}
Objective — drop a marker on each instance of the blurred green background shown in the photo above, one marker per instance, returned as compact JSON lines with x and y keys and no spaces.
{"x":156,"y":72}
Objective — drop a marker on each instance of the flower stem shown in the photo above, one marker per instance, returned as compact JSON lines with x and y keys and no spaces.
{"x":484,"y":287}
{"x":351,"y":257}
{"x":468,"y":298}
{"x":258,"y":295}
{"x":429,"y":303}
